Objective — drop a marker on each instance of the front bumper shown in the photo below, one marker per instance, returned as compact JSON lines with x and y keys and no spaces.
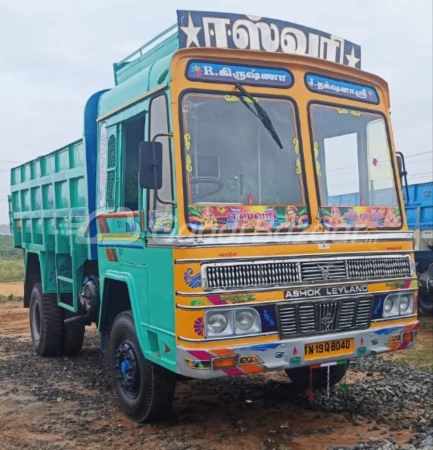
{"x":290,"y":353}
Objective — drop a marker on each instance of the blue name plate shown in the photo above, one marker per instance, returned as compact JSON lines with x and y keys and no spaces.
{"x":343,"y":89}
{"x":226,"y":73}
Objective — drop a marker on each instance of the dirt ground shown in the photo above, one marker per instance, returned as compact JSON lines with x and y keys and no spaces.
{"x":67,"y":403}
{"x":15,"y":289}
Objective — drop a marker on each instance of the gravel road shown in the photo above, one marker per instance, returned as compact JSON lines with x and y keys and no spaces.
{"x":67,"y":403}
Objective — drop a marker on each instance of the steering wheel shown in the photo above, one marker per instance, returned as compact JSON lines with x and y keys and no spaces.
{"x":207,"y":180}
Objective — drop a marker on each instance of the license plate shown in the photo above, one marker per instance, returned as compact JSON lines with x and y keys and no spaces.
{"x":329,"y":348}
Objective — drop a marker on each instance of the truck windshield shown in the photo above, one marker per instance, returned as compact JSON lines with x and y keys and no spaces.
{"x":237,"y":176}
{"x":354,"y":168}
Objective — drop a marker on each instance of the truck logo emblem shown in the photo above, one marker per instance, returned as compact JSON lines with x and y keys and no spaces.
{"x":325,"y":272}
{"x":326,"y":322}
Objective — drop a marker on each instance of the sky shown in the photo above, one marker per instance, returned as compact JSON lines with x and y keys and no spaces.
{"x":54,"y":54}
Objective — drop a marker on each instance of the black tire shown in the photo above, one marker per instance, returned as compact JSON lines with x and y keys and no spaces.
{"x":145,"y":390}
{"x":425,"y":302}
{"x":72,"y":338}
{"x":45,"y":322}
{"x":301,"y":376}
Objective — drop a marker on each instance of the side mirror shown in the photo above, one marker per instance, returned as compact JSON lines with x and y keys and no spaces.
{"x":150,"y":165}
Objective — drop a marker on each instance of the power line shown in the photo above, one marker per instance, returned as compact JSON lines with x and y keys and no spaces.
{"x":417,"y":154}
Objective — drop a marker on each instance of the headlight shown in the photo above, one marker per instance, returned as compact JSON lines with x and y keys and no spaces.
{"x":387,"y":307}
{"x":398,"y":304}
{"x":247,"y":321}
{"x":218,"y":323}
{"x":406,"y":304}
{"x":232,"y":322}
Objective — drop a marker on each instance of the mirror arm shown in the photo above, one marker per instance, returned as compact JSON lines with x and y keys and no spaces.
{"x":403,"y":175}
{"x":156,"y":196}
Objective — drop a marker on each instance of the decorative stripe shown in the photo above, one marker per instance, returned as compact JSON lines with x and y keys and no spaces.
{"x":103,"y":225}
{"x":200,"y":354}
{"x":109,"y":254}
{"x":118,"y":215}
{"x":121,"y":245}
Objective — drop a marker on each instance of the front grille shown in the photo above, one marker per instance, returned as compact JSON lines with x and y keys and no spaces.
{"x":324,"y":316}
{"x":323,"y":270}
{"x":378,"y":267}
{"x":288,"y":272}
{"x":251,"y":275}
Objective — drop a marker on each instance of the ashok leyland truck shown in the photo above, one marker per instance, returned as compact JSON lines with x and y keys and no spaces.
{"x":234,"y":206}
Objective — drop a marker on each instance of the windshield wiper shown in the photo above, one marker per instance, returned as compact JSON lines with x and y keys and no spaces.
{"x":261,"y":114}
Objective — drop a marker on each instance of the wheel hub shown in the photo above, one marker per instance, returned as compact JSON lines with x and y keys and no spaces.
{"x":126,"y":364}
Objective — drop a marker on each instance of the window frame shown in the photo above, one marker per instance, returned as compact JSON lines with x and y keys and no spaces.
{"x":123,"y":126}
{"x":297,"y":125}
{"x":148,"y":209}
{"x":114,"y":169}
{"x":391,"y":149}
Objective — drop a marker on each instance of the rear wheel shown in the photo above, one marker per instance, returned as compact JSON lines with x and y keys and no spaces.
{"x":425,"y":302}
{"x":45,"y":322}
{"x":301,"y":376}
{"x":72,"y":338}
{"x":145,"y":390}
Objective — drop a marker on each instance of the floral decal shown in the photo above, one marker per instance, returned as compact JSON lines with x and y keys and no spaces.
{"x":199,"y":326}
{"x":193,"y":281}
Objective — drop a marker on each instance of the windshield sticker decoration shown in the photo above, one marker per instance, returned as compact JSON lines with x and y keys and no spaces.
{"x":247,"y":217}
{"x":298,"y":160}
{"x":343,"y":89}
{"x":236,"y":31}
{"x":161,"y":220}
{"x":361,"y":217}
{"x":252,"y":76}
{"x":234,"y":98}
{"x":316,"y":159}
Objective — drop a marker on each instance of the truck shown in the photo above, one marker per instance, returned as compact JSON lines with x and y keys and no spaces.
{"x":419,"y":211}
{"x":233,"y":207}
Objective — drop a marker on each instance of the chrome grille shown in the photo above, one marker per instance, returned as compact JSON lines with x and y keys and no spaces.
{"x":378,"y":267}
{"x":287,"y":272}
{"x":323,"y":270}
{"x":324,"y":316}
{"x":252,"y":275}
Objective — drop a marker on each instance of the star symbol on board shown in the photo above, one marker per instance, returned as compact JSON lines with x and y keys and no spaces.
{"x":191,"y":32}
{"x":351,"y":57}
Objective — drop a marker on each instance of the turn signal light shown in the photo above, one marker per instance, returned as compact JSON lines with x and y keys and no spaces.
{"x":407,"y":337}
{"x":225,"y":362}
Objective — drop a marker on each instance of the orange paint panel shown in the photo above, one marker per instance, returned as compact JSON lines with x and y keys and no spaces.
{"x":252,"y":369}
{"x":223,"y":352}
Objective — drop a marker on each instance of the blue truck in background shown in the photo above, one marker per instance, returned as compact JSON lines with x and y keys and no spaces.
{"x":419,"y":212}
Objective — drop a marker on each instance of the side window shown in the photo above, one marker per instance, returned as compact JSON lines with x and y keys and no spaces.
{"x":160,"y":214}
{"x":133,"y":134}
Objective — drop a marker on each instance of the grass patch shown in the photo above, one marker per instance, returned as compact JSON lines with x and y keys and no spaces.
{"x":11,"y":270}
{"x":10,"y":298}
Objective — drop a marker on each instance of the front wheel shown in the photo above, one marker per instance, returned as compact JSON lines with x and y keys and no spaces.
{"x":145,"y":390}
{"x":301,"y":376}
